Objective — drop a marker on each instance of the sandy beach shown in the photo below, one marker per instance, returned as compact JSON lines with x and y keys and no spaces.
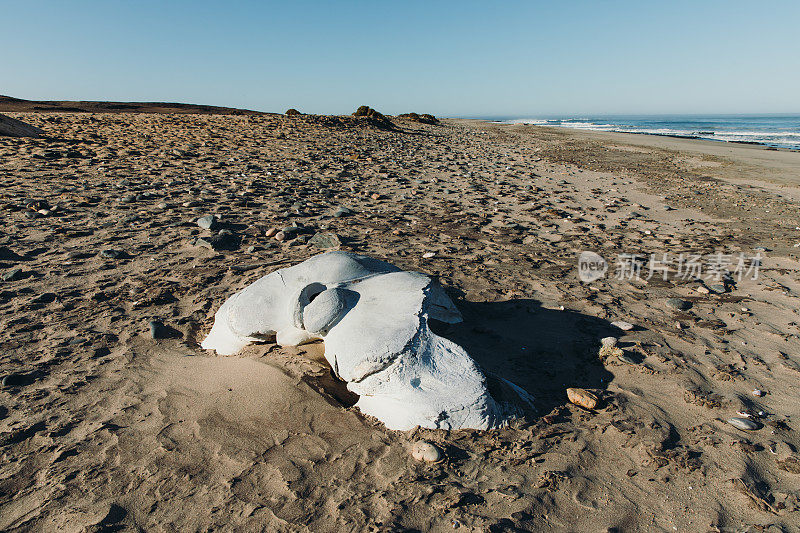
{"x":105,"y":428}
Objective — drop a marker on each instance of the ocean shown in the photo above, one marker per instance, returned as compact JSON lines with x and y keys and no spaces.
{"x":782,"y":131}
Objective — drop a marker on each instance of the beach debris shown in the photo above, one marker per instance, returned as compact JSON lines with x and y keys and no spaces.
{"x":745,"y":424}
{"x":582,"y":398}
{"x":791,"y":464}
{"x":373,"y":319}
{"x":624,"y":326}
{"x":758,"y":392}
{"x":607,"y":350}
{"x":16,"y":128}
{"x":425,"y":451}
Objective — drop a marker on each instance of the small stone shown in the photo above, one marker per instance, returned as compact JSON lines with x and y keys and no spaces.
{"x":428,"y":255}
{"x":207,"y":222}
{"x":280,"y":236}
{"x":13,"y":275}
{"x":758,"y":392}
{"x":624,"y":326}
{"x":582,"y":398}
{"x":425,"y":451}
{"x":680,"y":305}
{"x":292,"y":231}
{"x":44,"y":212}
{"x":719,"y":288}
{"x":342,"y":211}
{"x":325,"y":240}
{"x":110,"y":253}
{"x":375,"y":196}
{"x":609,"y":342}
{"x":745,"y":424}
{"x":702,"y":289}
{"x":157,"y":329}
{"x":271,"y":232}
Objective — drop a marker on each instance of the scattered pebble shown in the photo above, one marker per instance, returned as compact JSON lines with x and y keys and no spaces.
{"x":624,"y":326}
{"x":207,"y":222}
{"x":582,"y":398}
{"x":680,"y":305}
{"x":609,"y":342}
{"x":745,"y":424}
{"x":425,"y":451}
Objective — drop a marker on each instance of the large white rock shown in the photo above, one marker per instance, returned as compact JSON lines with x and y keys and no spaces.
{"x":373,"y":318}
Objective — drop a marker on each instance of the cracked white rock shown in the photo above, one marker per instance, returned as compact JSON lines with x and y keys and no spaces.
{"x":373,"y":319}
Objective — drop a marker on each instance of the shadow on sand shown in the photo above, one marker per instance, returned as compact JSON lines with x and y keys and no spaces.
{"x":544,"y":351}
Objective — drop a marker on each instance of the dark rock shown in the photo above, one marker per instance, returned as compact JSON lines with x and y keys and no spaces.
{"x":157,"y":329}
{"x":292,"y":111}
{"x":374,"y":117}
{"x":342,"y":211}
{"x":325,"y":240}
{"x":680,"y":305}
{"x":224,"y":240}
{"x":207,"y":222}
{"x":424,"y":118}
{"x":111,"y":253}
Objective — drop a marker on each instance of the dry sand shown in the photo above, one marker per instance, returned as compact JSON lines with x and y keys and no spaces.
{"x":103,"y":428}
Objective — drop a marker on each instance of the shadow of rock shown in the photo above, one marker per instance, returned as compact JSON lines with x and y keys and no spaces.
{"x":544,"y":351}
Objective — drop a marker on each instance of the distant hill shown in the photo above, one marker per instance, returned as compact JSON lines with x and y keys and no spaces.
{"x":7,"y":103}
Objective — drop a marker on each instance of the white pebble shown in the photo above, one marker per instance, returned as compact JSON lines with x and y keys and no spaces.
{"x":624,"y":326}
{"x":608,"y":342}
{"x":425,"y":451}
{"x":744,"y":424}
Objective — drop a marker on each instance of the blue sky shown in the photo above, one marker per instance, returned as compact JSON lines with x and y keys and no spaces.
{"x":448,"y":58}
